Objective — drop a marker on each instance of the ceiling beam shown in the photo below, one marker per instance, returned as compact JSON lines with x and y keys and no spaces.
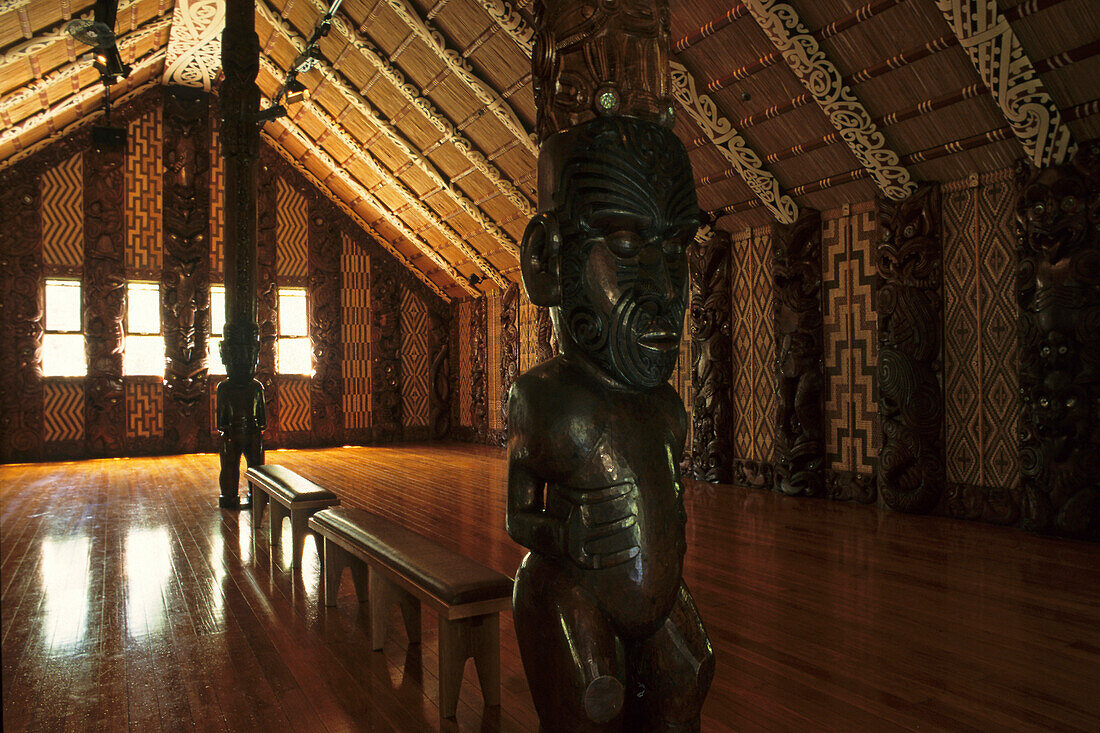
{"x":1006,"y":69}
{"x":195,"y":45}
{"x":783,"y":26}
{"x":706,"y":112}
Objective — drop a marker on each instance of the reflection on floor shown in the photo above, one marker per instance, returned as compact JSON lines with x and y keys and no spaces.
{"x":130,"y":600}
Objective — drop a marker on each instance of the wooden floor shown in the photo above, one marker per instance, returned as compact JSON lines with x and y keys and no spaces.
{"x":129,"y":599}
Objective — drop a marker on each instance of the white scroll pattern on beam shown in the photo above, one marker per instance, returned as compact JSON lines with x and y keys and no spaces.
{"x":782,"y":24}
{"x":1008,"y":72}
{"x":195,"y":45}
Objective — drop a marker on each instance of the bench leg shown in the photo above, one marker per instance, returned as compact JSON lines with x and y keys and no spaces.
{"x":259,"y":501}
{"x":275,"y":513}
{"x":336,"y":559}
{"x":383,"y":595}
{"x":298,"y":532}
{"x":477,"y":637}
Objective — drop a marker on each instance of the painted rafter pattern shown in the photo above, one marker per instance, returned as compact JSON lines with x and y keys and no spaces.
{"x":459,"y":66}
{"x":364,"y":194}
{"x":413,"y":199}
{"x":783,"y":26}
{"x":195,"y":46}
{"x":1007,"y":70}
{"x":700,"y":107}
{"x":337,"y":81}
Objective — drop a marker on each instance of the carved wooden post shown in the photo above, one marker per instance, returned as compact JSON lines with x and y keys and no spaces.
{"x":267,"y":292}
{"x":799,"y":361}
{"x":909,"y":301}
{"x":479,"y":348}
{"x":711,"y":359}
{"x":1058,"y":290}
{"x":241,"y":415}
{"x":185,"y":282}
{"x":104,"y":297}
{"x":327,"y":385}
{"x":509,"y":350}
{"x":387,"y":412}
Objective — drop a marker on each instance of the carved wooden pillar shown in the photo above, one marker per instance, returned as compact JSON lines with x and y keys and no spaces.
{"x":387,"y":412}
{"x":185,"y":282}
{"x":479,"y":361}
{"x":711,"y":359}
{"x":1058,"y":290}
{"x":104,"y":296}
{"x":509,"y":350}
{"x":799,"y":362}
{"x":325,"y":324}
{"x":439,"y":397}
{"x":909,"y":301}
{"x":21,"y":395}
{"x":267,"y":292}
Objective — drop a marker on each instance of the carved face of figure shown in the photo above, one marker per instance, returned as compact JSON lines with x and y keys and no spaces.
{"x":624,"y":210}
{"x":1054,"y":212}
{"x":239,"y":358}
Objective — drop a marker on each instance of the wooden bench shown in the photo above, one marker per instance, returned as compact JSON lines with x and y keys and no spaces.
{"x":287,"y":494}
{"x":399,"y":566}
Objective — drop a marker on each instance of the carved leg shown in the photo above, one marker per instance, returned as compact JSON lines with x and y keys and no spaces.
{"x":336,"y":559}
{"x":383,"y":595}
{"x":259,"y":501}
{"x":477,"y":637}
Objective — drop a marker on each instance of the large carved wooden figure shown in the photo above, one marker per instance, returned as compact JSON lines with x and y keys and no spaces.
{"x":608,"y":632}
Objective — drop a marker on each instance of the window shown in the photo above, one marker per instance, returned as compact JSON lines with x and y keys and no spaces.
{"x":294,"y":354}
{"x":144,"y":352}
{"x":217,"y":327}
{"x":63,"y":343}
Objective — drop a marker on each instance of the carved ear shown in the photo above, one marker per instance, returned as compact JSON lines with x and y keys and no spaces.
{"x":540,"y":260}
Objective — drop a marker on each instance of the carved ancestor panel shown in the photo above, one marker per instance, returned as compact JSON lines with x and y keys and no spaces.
{"x":493,"y":305}
{"x":981,"y":378}
{"x":185,"y":282}
{"x":712,"y":360}
{"x":1058,"y":291}
{"x":327,"y":385}
{"x":21,"y":398}
{"x":799,"y":363}
{"x":851,"y":353}
{"x":414,"y":361}
{"x":478,"y":370}
{"x":267,"y":292}
{"x":64,"y":411}
{"x":464,"y":316}
{"x":63,"y":215}
{"x":144,"y":184}
{"x":908,"y":299}
{"x":441,"y":383}
{"x":355,"y":323}
{"x":104,"y":291}
{"x":753,"y":357}
{"x":385,"y":352}
{"x":509,"y":350}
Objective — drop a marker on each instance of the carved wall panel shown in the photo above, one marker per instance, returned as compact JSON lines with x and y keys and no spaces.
{"x":442,"y":390}
{"x":465,"y":318}
{"x":63,"y":216}
{"x":355,"y":323}
{"x":479,"y":416}
{"x":185,"y":282}
{"x":1058,"y":291}
{"x":104,"y":297}
{"x":267,"y":292}
{"x":981,"y":377}
{"x":908,"y":299}
{"x":799,"y":363}
{"x":851,"y":352}
{"x":493,"y":306}
{"x":327,"y":385}
{"x":144,"y":184}
{"x":711,"y":409}
{"x":385,"y":352}
{"x":21,"y":397}
{"x":509,"y":350}
{"x":414,"y":366}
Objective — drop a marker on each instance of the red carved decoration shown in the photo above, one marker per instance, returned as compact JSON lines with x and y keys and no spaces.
{"x":327,"y":386}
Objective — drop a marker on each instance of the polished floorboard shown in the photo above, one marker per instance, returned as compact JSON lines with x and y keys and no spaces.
{"x":130,"y":601}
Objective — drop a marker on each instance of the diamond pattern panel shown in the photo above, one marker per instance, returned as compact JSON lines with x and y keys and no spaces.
{"x":753,"y":346}
{"x":355,"y":304}
{"x":144,"y":184}
{"x":63,"y":214}
{"x":64,"y":410}
{"x":144,"y":409}
{"x":414,"y":360}
{"x":294,"y":405}
{"x":291,"y":234}
{"x":527,"y":339}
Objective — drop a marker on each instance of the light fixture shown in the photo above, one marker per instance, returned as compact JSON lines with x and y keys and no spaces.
{"x":296,"y":92}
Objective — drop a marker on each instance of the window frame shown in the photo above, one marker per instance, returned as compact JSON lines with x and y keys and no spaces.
{"x":48,"y":331}
{"x":213,"y":353}
{"x":127,"y":333}
{"x":282,"y":337}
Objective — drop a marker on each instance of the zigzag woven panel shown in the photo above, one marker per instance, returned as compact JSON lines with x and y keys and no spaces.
{"x":291,"y":233}
{"x":527,"y":338}
{"x":850,"y":339}
{"x":981,"y":382}
{"x":144,"y":183}
{"x":465,"y":364}
{"x":63,"y":214}
{"x":294,"y":405}
{"x":355,"y":322}
{"x":414,"y":360}
{"x":64,"y":410}
{"x":753,"y":346}
{"x":493,"y":305}
{"x":217,"y":203}
{"x":144,"y":409}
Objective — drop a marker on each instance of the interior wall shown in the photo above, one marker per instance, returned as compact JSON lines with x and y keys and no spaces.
{"x":76,"y":206}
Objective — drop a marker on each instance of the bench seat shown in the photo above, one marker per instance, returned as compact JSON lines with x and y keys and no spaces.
{"x":287,"y":494}
{"x":396,"y":566}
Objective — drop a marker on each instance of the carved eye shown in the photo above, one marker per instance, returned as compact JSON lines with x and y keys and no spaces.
{"x":1044,"y":402}
{"x":1045,"y":351}
{"x":674,"y":245}
{"x":1062,"y":350}
{"x":624,"y":243}
{"x":1038,"y":209}
{"x":1069,"y":204}
{"x":1071,"y":401}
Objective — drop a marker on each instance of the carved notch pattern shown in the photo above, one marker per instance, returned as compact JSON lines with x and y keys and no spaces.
{"x":325,"y":284}
{"x":909,"y":301}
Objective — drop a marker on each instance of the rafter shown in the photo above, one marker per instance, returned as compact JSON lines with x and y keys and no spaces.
{"x":327,"y":161}
{"x":783,"y":26}
{"x":1007,"y":70}
{"x":700,"y":107}
{"x":352,"y":97}
{"x":411,"y":197}
{"x":436,"y":41}
{"x":195,"y":44}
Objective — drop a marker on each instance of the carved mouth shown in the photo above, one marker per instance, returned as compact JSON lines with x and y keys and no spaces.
{"x":660,"y":340}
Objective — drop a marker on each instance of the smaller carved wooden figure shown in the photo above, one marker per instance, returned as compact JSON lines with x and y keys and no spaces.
{"x":241,"y":414}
